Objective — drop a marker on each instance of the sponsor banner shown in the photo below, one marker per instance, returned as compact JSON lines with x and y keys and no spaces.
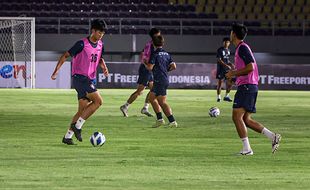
{"x":125,"y":75}
{"x":14,"y":74}
{"x":17,"y":75}
{"x":284,"y":77}
{"x":202,"y":75}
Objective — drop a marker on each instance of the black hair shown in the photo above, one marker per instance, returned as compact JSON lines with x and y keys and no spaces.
{"x":158,"y":40}
{"x":99,"y":25}
{"x":226,"y":39}
{"x":240,"y":30}
{"x":153,"y":31}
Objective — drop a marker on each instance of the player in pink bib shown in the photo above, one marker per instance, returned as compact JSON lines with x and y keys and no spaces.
{"x":145,"y":78}
{"x":86,"y":55}
{"x":246,"y":95}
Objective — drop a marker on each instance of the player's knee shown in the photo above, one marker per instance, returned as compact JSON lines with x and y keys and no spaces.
{"x":247,"y":120}
{"x":98,"y":102}
{"x":236,"y":116}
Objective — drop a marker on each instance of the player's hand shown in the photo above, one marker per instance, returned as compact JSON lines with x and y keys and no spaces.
{"x":233,"y":66}
{"x":106,"y":72}
{"x":54,"y":76}
{"x":229,"y":74}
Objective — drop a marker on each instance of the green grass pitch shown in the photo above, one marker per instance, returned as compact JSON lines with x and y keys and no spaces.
{"x":200,"y":154}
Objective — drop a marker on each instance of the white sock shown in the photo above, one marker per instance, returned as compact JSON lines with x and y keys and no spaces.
{"x":246,"y":144}
{"x":79,"y":123}
{"x":218,"y":96}
{"x":127,"y":104}
{"x":268,"y":133}
{"x":146,"y":105}
{"x":227,"y":94}
{"x":69,"y":134}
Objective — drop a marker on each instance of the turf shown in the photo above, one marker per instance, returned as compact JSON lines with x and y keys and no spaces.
{"x":200,"y":154}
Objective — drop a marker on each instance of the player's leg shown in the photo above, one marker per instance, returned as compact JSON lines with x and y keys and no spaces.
{"x":162,"y":100}
{"x":96,"y":102}
{"x":83,"y":103}
{"x":228,"y":88}
{"x":159,"y":118}
{"x":124,"y":108}
{"x":218,"y":89}
{"x":239,"y":109}
{"x":237,"y":117}
{"x":258,"y":127}
{"x":93,"y":106}
{"x":145,"y":109}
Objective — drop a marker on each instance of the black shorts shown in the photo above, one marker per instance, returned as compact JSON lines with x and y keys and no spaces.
{"x":145,"y":78}
{"x":159,"y":89}
{"x":83,"y":85}
{"x":245,"y":97}
{"x":220,"y":74}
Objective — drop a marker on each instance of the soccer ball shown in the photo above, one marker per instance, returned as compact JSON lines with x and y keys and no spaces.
{"x":214,"y":112}
{"x":97,"y":139}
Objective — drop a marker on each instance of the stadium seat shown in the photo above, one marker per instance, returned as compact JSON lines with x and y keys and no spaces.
{"x":240,"y":2}
{"x":296,"y":9}
{"x":257,"y":9}
{"x":286,"y":9}
{"x":290,"y":3}
{"x":251,"y":16}
{"x":300,"y":2}
{"x":191,"y":2}
{"x":281,"y":16}
{"x":250,"y":2}
{"x":280,"y":2}
{"x":211,"y":2}
{"x":221,"y":2}
{"x":270,"y":2}
{"x":277,"y":9}
{"x":260,"y":3}
{"x":261,"y":16}
{"x":228,"y":9}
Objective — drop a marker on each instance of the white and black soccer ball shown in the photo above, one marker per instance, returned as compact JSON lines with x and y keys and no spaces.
{"x":97,"y":139}
{"x":214,"y":112}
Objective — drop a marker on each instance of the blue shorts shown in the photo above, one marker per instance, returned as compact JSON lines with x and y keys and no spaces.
{"x":159,"y":89}
{"x":221,"y":71}
{"x":245,"y":97}
{"x":145,"y":76}
{"x":220,"y":74}
{"x":83,"y":85}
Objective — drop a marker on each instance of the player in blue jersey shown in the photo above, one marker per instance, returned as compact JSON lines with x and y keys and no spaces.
{"x":223,"y":66}
{"x":160,"y":64}
{"x":145,"y":78}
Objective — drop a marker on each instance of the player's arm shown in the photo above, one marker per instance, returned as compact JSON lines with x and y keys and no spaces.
{"x":61,"y":61}
{"x":102,"y":63}
{"x":221,"y":62}
{"x":146,"y":53}
{"x":220,"y":59}
{"x":172,"y":66}
{"x":104,"y":67}
{"x":149,"y":65}
{"x":77,"y":48}
{"x":244,"y":71}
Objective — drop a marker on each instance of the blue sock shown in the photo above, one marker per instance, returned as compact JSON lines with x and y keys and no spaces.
{"x":171,"y":118}
{"x":159,"y":116}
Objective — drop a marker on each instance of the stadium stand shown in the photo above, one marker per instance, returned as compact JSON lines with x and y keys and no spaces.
{"x":179,"y":17}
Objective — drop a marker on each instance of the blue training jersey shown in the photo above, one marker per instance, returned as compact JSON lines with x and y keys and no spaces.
{"x":161,"y":61}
